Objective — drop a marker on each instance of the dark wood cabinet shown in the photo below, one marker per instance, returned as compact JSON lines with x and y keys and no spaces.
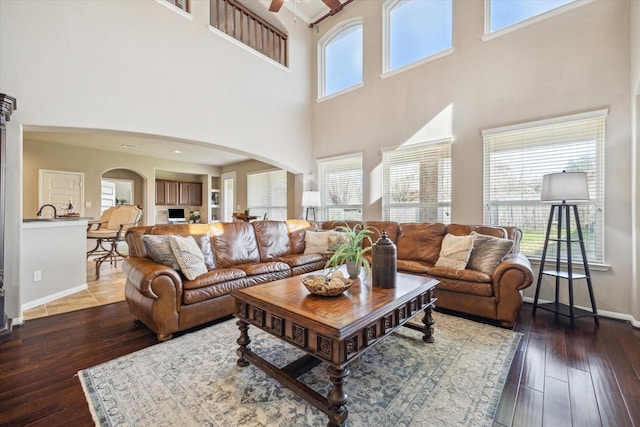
{"x":7,"y":106}
{"x":190,"y":193}
{"x":176,"y":193}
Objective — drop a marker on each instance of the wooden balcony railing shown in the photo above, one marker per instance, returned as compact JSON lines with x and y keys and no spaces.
{"x":242,"y":24}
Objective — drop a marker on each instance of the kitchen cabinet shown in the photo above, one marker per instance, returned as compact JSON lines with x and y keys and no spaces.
{"x":177,"y":193}
{"x":190,"y":193}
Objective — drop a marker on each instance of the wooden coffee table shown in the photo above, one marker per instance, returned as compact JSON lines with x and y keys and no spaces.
{"x":335,"y":330}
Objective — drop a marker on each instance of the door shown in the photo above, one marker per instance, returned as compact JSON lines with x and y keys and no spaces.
{"x":108,"y":195}
{"x":59,"y":188}
{"x":228,"y":196}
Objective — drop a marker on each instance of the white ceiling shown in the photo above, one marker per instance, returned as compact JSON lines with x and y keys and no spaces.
{"x":143,"y":145}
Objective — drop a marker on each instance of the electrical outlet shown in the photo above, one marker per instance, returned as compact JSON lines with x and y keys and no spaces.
{"x":37,"y":275}
{"x":87,"y":205}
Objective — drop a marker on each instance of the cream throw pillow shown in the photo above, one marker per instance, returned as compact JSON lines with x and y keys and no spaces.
{"x":188,"y":255}
{"x":455,"y":251}
{"x":316,"y":242}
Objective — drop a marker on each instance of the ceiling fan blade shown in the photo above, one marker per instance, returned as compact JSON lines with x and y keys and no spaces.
{"x":334,"y":5}
{"x":275,"y":5}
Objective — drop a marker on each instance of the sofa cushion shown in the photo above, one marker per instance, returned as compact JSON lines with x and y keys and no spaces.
{"x":189,"y":256}
{"x":455,"y":251}
{"x":159,"y":249}
{"x":297,"y":229}
{"x":214,"y":277}
{"x":301,"y":259}
{"x":234,"y":243}
{"x":420,"y":241}
{"x":273,"y":239}
{"x":488,"y":252}
{"x":254,"y":269}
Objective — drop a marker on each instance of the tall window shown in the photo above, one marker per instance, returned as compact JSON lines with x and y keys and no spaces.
{"x":504,"y":13}
{"x":340,"y":58}
{"x":340,"y":181}
{"x":516,"y":158}
{"x":267,"y":194}
{"x":417,"y":183}
{"x":415,"y":29}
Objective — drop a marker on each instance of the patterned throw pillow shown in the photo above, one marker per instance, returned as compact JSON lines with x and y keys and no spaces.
{"x":188,"y":255}
{"x":316,"y":242}
{"x":455,"y":251}
{"x":160,"y":250}
{"x":488,"y":252}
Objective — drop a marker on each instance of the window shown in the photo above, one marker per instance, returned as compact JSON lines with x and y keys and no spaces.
{"x":340,"y":181}
{"x":417,"y":183}
{"x":267,"y":194}
{"x":502,"y":13}
{"x":516,"y":158}
{"x":340,"y":58}
{"x":415,"y":29}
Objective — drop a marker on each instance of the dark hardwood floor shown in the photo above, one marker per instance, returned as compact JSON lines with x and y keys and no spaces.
{"x":560,"y":376}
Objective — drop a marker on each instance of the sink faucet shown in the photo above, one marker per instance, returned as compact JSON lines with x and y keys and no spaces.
{"x":55,"y":212}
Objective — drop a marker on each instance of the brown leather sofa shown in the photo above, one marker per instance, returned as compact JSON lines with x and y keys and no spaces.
{"x":242,"y":254}
{"x":495,"y":296}
{"x":237,"y":255}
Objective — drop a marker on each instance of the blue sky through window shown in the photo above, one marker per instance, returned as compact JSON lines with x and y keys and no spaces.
{"x":343,"y":60}
{"x":509,"y":12}
{"x":418,"y":29}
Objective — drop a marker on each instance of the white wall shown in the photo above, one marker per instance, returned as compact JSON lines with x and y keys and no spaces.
{"x":574,"y":62}
{"x":138,"y":66}
{"x":634,"y":37}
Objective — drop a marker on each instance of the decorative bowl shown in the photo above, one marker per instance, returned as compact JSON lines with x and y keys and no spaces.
{"x":327,"y":286}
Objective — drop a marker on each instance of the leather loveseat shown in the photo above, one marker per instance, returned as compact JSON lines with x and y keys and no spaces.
{"x":495,"y":293}
{"x":242,"y":254}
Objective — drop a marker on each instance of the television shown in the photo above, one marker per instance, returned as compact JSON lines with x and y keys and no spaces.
{"x":176,"y":215}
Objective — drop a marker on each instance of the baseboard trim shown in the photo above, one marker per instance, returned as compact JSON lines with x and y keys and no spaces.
{"x":31,"y":304}
{"x":604,"y":313}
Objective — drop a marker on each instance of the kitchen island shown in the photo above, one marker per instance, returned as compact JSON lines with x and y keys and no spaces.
{"x":53,"y":261}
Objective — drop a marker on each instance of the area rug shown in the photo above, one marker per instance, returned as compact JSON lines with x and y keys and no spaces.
{"x":193,"y":380}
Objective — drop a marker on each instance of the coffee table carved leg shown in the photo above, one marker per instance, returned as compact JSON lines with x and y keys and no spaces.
{"x":337,"y":397}
{"x":243,"y":342}
{"x":428,"y":321}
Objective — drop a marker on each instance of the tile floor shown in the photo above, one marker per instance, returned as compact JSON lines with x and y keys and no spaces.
{"x":108,"y":289}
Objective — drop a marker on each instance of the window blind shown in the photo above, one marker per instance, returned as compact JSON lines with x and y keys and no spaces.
{"x":417,"y":183}
{"x":267,"y":194}
{"x":340,"y":182}
{"x":516,"y":158}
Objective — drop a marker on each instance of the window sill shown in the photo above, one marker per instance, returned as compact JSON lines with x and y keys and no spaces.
{"x":417,"y":63}
{"x":577,"y":265}
{"x":342,"y":92}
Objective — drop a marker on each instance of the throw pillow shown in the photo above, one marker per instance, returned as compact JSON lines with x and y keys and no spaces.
{"x":188,"y":255}
{"x":316,"y":242}
{"x":488,"y":252}
{"x":455,"y":251}
{"x":160,"y":251}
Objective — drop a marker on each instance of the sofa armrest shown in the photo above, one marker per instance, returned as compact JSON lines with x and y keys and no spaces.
{"x":143,"y":273}
{"x":512,"y":275}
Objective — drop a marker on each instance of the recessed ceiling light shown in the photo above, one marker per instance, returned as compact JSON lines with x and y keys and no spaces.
{"x":128,"y":146}
{"x":177,"y":151}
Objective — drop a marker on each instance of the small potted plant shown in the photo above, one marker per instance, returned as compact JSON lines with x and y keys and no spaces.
{"x":351,"y":251}
{"x":247,"y":211}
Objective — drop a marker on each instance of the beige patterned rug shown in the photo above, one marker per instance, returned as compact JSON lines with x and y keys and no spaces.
{"x":193,"y":380}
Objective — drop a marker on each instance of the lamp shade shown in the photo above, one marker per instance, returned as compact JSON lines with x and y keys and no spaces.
{"x":311,"y":199}
{"x":564,"y":186}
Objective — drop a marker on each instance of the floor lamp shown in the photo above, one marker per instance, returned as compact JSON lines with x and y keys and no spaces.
{"x":558,"y":188}
{"x":311,"y":200}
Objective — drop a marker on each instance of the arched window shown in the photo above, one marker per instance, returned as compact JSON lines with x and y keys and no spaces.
{"x":340,"y":58}
{"x":415,"y":30}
